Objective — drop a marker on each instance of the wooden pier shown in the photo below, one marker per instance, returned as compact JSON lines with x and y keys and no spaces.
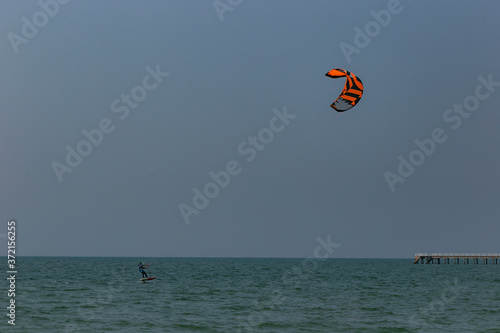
{"x":456,"y":258}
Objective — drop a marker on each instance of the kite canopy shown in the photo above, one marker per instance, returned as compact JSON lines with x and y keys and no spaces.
{"x":353,"y":90}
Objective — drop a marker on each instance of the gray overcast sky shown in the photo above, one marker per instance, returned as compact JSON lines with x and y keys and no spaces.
{"x":322,"y":174}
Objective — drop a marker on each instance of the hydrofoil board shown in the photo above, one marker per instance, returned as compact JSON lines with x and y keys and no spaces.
{"x":147,"y":279}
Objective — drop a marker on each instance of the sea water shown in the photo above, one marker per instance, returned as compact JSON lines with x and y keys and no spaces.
{"x":252,"y":295}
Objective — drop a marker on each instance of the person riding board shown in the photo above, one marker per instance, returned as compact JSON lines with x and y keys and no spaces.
{"x":141,"y":269}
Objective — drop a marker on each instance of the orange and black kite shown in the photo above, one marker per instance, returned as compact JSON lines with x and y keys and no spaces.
{"x":353,"y":89}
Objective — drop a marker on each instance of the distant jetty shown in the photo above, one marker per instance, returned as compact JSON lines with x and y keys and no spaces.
{"x":456,"y":258}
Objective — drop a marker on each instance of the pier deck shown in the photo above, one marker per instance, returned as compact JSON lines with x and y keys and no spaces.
{"x":466,"y":258}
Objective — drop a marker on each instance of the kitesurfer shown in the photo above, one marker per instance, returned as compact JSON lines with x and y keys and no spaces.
{"x":141,"y":269}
